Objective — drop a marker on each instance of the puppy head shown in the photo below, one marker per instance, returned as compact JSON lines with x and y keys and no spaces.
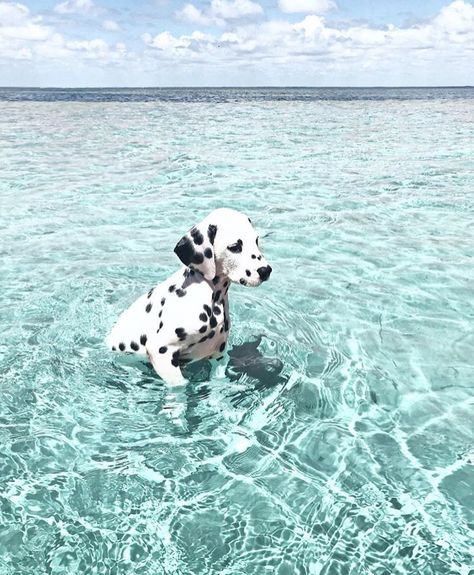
{"x":225,"y":243}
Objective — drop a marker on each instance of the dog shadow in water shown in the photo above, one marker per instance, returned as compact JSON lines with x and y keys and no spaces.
{"x":248,"y":359}
{"x":244,"y":359}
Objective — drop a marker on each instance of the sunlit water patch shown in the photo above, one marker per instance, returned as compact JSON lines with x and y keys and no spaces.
{"x":341,"y":439}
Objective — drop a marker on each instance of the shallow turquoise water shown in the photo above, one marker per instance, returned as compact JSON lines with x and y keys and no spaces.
{"x":358,"y":457}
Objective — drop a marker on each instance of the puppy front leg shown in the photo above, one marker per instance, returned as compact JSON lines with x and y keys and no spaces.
{"x":219,"y":363}
{"x":164,"y":360}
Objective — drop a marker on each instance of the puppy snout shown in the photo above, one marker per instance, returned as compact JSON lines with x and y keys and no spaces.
{"x":264,"y":272}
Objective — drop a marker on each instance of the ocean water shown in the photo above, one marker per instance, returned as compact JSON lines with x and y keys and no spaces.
{"x":341,"y":440}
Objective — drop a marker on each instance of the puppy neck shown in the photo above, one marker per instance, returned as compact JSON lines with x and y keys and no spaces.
{"x":220,"y":283}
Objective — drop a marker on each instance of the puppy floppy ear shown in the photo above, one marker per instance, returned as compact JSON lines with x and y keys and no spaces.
{"x":196,"y":249}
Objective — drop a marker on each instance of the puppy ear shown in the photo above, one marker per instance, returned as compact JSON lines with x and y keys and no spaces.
{"x":196,"y":249}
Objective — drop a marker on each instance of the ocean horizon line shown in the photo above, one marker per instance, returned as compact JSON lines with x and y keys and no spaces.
{"x":243,"y":87}
{"x":223,"y":94}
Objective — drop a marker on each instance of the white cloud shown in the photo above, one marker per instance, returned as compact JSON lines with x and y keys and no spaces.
{"x":24,"y":36}
{"x":110,"y":26}
{"x":12,"y":13}
{"x":193,"y":15}
{"x":18,"y":28}
{"x":306,"y":6}
{"x":75,"y":7}
{"x":221,"y":12}
{"x":457,"y":17}
{"x":170,"y":45}
{"x":235,"y":9}
{"x":355,"y":47}
{"x":311,"y":50}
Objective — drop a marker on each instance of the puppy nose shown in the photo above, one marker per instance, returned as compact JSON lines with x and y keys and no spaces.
{"x":264,"y":272}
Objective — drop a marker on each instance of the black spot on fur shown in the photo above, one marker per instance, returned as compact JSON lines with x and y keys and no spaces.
{"x":184,"y":249}
{"x":171,"y":288}
{"x":243,"y":282}
{"x":213,"y":322}
{"x":226,"y":283}
{"x":134,"y":345}
{"x":249,"y":220}
{"x":197,"y":236}
{"x":217,"y":295}
{"x":121,"y":346}
{"x":208,"y":253}
{"x":161,"y":313}
{"x":226,"y":324}
{"x":175,"y":359}
{"x":163,"y":349}
{"x":180,"y":292}
{"x":198,"y":258}
{"x":148,"y":307}
{"x":163,"y":301}
{"x":259,"y":258}
{"x":203,"y":316}
{"x":150,"y":292}
{"x":143,"y":339}
{"x":216,"y":309}
{"x":203,"y":339}
{"x":215,"y":281}
{"x":248,"y":272}
{"x":235,"y":248}
{"x":222,"y":346}
{"x":253,"y":256}
{"x":211,"y":233}
{"x":114,"y":348}
{"x":211,"y":334}
{"x":207,"y":309}
{"x":202,"y":329}
{"x":181,"y":333}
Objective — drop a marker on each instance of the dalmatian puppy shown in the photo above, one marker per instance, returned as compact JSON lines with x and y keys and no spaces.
{"x":186,"y":318}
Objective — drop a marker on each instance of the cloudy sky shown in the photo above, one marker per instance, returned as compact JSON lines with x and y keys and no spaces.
{"x":236,"y":42}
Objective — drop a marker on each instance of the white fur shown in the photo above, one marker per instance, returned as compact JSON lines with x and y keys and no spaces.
{"x":199,"y":297}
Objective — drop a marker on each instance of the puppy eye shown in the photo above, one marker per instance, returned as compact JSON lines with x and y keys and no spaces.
{"x":235,"y":248}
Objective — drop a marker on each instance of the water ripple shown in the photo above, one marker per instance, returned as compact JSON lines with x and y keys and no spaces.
{"x":341,"y":440}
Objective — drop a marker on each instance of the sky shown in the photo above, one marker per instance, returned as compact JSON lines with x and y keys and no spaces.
{"x":85,"y":43}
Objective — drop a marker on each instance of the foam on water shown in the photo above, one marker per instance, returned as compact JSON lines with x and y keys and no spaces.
{"x":354,"y":457}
